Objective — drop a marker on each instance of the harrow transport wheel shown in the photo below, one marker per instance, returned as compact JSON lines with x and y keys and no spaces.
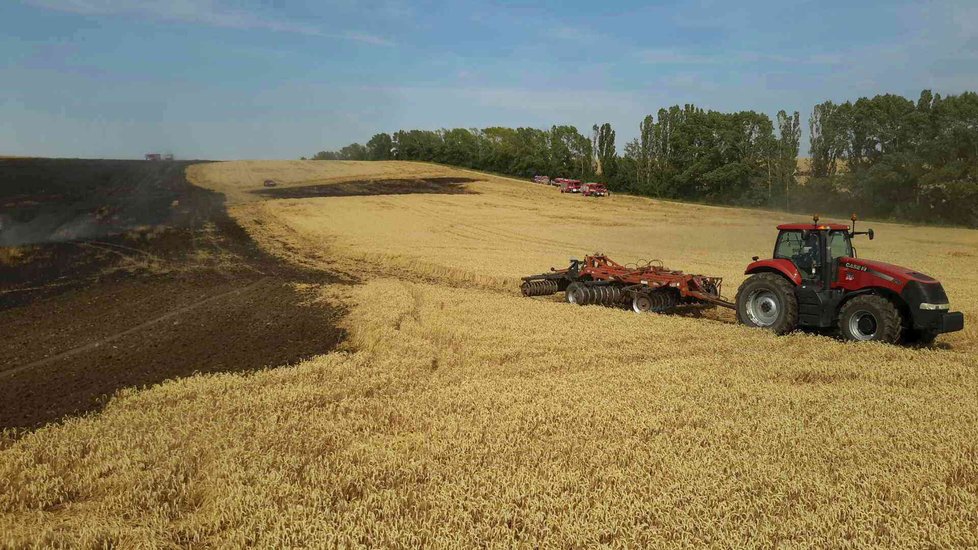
{"x":641,"y":303}
{"x":870,"y":318}
{"x":573,"y":293}
{"x":767,"y":300}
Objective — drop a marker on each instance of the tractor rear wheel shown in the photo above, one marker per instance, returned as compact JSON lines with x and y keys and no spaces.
{"x":767,"y":300}
{"x":870,"y":318}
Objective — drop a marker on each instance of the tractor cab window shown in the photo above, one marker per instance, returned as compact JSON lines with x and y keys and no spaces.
{"x":801,"y":247}
{"x":839,"y":245}
{"x":789,"y":244}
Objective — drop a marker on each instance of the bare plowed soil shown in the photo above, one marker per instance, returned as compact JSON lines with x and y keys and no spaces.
{"x":167,"y":286}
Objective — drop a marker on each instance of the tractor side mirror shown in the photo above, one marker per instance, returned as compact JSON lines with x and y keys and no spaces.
{"x":871,"y":234}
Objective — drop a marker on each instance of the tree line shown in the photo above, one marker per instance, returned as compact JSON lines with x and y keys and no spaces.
{"x":885,"y":156}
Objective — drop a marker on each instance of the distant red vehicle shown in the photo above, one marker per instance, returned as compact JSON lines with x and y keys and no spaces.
{"x":570,"y":186}
{"x":592,"y":189}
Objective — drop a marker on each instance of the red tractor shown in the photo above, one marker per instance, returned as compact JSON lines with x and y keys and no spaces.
{"x":594,"y":190}
{"x":816,"y":281}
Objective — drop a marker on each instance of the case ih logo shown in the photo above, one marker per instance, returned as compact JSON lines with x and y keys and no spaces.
{"x":865,"y":269}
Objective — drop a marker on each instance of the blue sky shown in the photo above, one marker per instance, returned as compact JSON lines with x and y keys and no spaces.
{"x":227,"y":79}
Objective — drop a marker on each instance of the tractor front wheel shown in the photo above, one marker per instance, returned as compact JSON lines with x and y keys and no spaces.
{"x":767,"y":300}
{"x":870,"y":318}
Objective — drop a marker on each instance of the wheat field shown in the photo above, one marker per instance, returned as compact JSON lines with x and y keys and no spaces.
{"x":460,"y":414}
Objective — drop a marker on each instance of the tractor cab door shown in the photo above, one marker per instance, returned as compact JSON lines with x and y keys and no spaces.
{"x":804,"y":249}
{"x":838,"y":246}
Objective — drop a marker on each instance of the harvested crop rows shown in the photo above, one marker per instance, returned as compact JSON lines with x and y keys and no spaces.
{"x":459,"y":413}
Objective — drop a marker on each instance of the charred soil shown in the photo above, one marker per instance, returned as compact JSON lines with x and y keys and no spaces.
{"x":433,"y":185}
{"x":156,"y":282}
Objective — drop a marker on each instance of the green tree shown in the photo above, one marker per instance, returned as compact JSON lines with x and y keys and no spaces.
{"x":423,"y":145}
{"x":380,"y":147}
{"x":460,"y":147}
{"x":785,"y":163}
{"x":826,"y":139}
{"x":353,"y":151}
{"x":629,"y":176}
{"x":646,"y":156}
{"x":606,"y":153}
{"x":563,"y":144}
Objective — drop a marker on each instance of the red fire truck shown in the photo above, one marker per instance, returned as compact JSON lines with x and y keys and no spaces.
{"x":592,"y":189}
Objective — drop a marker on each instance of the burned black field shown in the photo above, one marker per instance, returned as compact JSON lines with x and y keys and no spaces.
{"x":120,"y":273}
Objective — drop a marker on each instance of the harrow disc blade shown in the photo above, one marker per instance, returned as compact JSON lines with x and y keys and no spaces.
{"x":538,"y":288}
{"x":660,"y":302}
{"x":587,"y":296}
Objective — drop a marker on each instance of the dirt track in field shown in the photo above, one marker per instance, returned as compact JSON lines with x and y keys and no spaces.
{"x":126,"y":275}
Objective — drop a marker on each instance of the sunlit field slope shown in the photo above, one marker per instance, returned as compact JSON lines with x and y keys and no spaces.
{"x":505,"y":228}
{"x":461,"y":414}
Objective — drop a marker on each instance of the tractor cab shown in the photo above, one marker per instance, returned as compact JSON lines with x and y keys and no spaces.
{"x":814,"y":250}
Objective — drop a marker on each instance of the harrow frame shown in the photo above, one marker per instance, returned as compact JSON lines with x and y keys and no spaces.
{"x":598,"y":279}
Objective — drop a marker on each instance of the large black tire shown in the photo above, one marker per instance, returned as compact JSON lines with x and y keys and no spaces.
{"x":870,"y":318}
{"x":768,"y":301}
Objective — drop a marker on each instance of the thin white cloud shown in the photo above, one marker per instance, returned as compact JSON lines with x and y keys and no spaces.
{"x":668,"y":56}
{"x":826,"y":58}
{"x":565,"y":32}
{"x":199,"y":12}
{"x":674,"y":57}
{"x":583,"y":36}
{"x":368,"y":38}
{"x":686,"y":83}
